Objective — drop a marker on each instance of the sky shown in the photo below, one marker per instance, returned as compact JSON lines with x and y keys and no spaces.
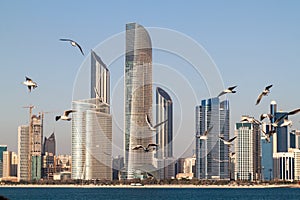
{"x":250,"y":44}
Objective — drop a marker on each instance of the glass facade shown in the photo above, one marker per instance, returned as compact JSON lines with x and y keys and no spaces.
{"x":100,"y":78}
{"x":92,"y":128}
{"x":24,"y":153}
{"x":37,"y":147}
{"x":247,"y":152}
{"x":211,"y":154}
{"x":50,"y":144}
{"x":2,"y":149}
{"x":138,"y":100}
{"x":281,"y":134}
{"x":164,"y":135}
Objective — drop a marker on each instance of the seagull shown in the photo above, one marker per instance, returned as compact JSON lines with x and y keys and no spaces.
{"x":100,"y":98}
{"x":228,"y":90}
{"x":250,"y":120}
{"x":268,"y":135}
{"x":29,"y":83}
{"x":204,"y":136}
{"x":73,"y":43}
{"x":293,"y":112}
{"x":65,"y":116}
{"x":227,"y":142}
{"x":153,"y":128}
{"x":286,"y":122}
{"x":146,"y":149}
{"x":264,"y":93}
{"x":263,"y":116}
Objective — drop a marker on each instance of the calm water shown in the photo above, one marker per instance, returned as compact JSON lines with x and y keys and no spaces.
{"x":147,"y":193}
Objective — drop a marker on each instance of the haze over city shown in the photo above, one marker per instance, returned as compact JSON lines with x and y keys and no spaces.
{"x":253,"y":44}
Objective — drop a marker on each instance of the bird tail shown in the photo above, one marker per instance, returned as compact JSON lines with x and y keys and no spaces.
{"x":57,"y":118}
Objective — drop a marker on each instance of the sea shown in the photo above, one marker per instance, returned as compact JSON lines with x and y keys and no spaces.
{"x":150,"y":193}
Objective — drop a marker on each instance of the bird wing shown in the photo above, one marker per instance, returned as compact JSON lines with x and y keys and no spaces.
{"x":280,"y":118}
{"x":57,"y":118}
{"x":262,"y":117}
{"x":161,"y":123}
{"x":208,"y":130}
{"x":29,"y":88}
{"x":148,"y":121}
{"x":222,"y":93}
{"x":27,"y":79}
{"x":67,"y":112}
{"x":259,"y":98}
{"x":69,"y":40}
{"x":268,"y":87}
{"x":79,"y":48}
{"x":232,"y":139}
{"x":231,"y":88}
{"x":222,"y":138}
{"x":152,"y":145}
{"x":137,"y":147}
{"x":294,"y":112}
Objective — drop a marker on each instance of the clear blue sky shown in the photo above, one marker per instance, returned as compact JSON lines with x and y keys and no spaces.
{"x":253,"y":43}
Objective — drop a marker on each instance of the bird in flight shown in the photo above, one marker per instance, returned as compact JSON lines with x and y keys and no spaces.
{"x":268,"y":135}
{"x":65,"y":115}
{"x":29,"y":83}
{"x":286,"y":122}
{"x":100,"y":98}
{"x":204,"y":136}
{"x":250,"y":120}
{"x":263,"y":116}
{"x":153,"y":128}
{"x":264,"y":93}
{"x":293,"y":112}
{"x":227,"y":142}
{"x":73,"y":43}
{"x":146,"y":149}
{"x":228,"y":90}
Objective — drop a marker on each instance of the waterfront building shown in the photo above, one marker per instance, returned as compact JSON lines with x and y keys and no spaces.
{"x":247,"y":151}
{"x":212,"y":156}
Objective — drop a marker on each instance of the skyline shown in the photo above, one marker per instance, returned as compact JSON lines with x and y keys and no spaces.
{"x":240,"y":38}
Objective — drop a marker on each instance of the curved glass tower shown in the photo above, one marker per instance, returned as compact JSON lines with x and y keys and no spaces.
{"x":138,"y":99}
{"x":92,"y":128}
{"x":164,"y":135}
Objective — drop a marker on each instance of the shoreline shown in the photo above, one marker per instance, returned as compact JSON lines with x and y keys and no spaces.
{"x":155,"y":186}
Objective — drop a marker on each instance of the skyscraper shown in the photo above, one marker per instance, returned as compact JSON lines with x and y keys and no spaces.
{"x":6,"y":163}
{"x":50,"y":144}
{"x":36,"y":147}
{"x":212,"y":156}
{"x":100,"y":79}
{"x":164,"y":135}
{"x":92,"y":128}
{"x":2,"y":149}
{"x":138,"y":99}
{"x":247,"y":151}
{"x":24,"y":154}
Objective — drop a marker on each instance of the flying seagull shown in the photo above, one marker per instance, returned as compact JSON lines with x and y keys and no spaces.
{"x":228,"y":90}
{"x":146,"y":149}
{"x":268,"y":135}
{"x":153,"y":128}
{"x":264,"y":93}
{"x":293,"y":112}
{"x":100,"y":98}
{"x":250,"y":120}
{"x":65,"y":115}
{"x":73,"y":43}
{"x":286,"y":122}
{"x":204,"y":136}
{"x":227,"y":142}
{"x":29,"y":83}
{"x":263,"y":116}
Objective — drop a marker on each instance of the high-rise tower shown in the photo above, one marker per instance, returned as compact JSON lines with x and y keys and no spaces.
{"x":92,"y":128}
{"x":164,"y":135}
{"x":247,"y":152}
{"x":212,"y":156}
{"x":138,"y":98}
